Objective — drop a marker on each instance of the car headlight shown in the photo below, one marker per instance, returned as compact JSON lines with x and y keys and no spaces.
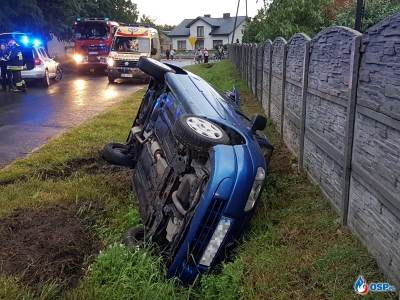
{"x":110,"y":61}
{"x":78,"y":58}
{"x":216,"y":241}
{"x":255,"y":190}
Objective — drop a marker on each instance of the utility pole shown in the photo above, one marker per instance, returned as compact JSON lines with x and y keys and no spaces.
{"x":247,"y":15}
{"x":359,"y":15}
{"x":234,"y":26}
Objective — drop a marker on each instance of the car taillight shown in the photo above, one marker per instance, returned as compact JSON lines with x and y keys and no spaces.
{"x":38,"y":62}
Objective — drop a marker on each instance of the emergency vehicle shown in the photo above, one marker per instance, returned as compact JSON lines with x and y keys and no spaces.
{"x":92,"y":42}
{"x":129,"y":44}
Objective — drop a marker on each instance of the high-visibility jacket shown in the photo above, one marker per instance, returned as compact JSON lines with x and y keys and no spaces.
{"x":15,"y":59}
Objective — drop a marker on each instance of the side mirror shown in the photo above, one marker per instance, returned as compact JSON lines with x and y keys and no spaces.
{"x":258,"y":122}
{"x":153,"y":51}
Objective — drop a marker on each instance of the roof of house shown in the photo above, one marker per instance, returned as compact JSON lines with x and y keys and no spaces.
{"x":220,"y":26}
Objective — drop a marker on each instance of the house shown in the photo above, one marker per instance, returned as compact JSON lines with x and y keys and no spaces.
{"x":165,"y":40}
{"x":207,"y":32}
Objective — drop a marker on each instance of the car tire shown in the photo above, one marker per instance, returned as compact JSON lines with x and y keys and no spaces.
{"x":111,"y":80}
{"x":134,"y":237}
{"x":46,"y":79}
{"x":59,"y":74}
{"x":117,"y":154}
{"x":199,"y":133}
{"x":153,"y":68}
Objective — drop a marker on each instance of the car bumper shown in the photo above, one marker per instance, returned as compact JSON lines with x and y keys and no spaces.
{"x":224,"y":198}
{"x":121,"y":72}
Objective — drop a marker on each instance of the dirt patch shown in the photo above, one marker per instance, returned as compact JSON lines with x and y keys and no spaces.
{"x":282,"y":161}
{"x":92,"y":165}
{"x":47,"y":244}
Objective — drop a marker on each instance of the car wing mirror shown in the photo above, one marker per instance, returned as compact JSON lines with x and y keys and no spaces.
{"x":258,"y":122}
{"x":234,"y":96}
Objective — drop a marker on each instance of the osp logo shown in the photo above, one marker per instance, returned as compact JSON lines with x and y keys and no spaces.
{"x":361,"y":287}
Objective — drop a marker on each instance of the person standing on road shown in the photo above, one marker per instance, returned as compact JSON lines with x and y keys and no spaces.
{"x":15,"y":66}
{"x":167,"y":53}
{"x":172,"y":54}
{"x":3,"y":67}
{"x":198,"y":56}
{"x":205,"y":56}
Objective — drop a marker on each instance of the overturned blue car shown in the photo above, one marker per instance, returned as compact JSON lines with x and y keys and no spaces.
{"x":199,"y":165}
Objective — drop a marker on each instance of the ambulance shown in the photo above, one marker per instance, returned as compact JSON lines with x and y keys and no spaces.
{"x":129,"y":44}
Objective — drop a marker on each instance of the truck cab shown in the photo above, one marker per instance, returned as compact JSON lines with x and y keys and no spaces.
{"x":129,"y":44}
{"x":93,"y":38}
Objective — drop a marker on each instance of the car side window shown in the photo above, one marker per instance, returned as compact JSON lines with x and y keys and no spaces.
{"x":43,"y":52}
{"x":35,"y":53}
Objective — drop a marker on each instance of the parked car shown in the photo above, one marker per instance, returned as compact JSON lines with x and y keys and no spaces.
{"x":200,"y":165}
{"x":43,"y":68}
{"x":38,"y":65}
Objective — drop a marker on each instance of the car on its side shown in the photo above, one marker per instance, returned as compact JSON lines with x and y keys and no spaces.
{"x":199,"y":169}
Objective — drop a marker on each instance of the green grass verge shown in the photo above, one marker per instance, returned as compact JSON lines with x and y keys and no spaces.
{"x":295,"y":247}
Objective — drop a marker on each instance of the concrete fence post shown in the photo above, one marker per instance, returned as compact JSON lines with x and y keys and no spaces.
{"x":351,"y":114}
{"x":304,"y":103}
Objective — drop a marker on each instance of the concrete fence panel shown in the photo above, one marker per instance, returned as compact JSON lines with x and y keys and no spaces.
{"x":253,"y":68}
{"x":248,"y":65}
{"x":278,"y":82}
{"x":330,"y":94}
{"x":374,"y":201}
{"x":267,"y":63}
{"x":298,"y":49}
{"x":259,"y":77}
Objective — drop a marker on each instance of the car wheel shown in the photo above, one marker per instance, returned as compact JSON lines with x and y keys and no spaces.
{"x":117,"y":154}
{"x":46,"y":79}
{"x":59,"y":74}
{"x":134,"y":237}
{"x":198,"y":132}
{"x":154,"y":68}
{"x":111,"y":79}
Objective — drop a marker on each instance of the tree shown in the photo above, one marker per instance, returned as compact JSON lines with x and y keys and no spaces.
{"x":23,"y":16}
{"x":375,"y":11}
{"x":118,"y":10}
{"x":144,"y":19}
{"x":286,"y":17}
{"x":60,"y":16}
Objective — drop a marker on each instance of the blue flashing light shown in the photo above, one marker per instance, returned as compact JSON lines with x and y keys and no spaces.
{"x":25,"y":40}
{"x":37,"y":42}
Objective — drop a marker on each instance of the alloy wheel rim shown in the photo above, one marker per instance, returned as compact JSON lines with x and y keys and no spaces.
{"x":204,"y":127}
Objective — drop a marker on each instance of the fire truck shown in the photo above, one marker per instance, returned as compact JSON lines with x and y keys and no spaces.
{"x":92,"y":42}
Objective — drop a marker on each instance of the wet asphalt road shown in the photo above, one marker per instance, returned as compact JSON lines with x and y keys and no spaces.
{"x":29,"y":120}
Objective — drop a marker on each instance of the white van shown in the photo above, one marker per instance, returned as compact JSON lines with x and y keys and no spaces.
{"x":129,"y":44}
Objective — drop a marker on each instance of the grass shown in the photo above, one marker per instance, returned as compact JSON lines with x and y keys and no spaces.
{"x":295,"y":247}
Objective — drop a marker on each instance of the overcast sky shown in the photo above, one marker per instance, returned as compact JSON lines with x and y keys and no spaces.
{"x":172,"y":12}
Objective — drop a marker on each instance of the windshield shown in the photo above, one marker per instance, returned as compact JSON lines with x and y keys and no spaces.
{"x":91,"y":30}
{"x":131,"y":44}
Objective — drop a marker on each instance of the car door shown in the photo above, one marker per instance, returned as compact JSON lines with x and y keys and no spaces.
{"x":50,"y":64}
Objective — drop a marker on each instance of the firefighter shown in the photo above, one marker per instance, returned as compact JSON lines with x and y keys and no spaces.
{"x":15,"y":65}
{"x":3,"y":67}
